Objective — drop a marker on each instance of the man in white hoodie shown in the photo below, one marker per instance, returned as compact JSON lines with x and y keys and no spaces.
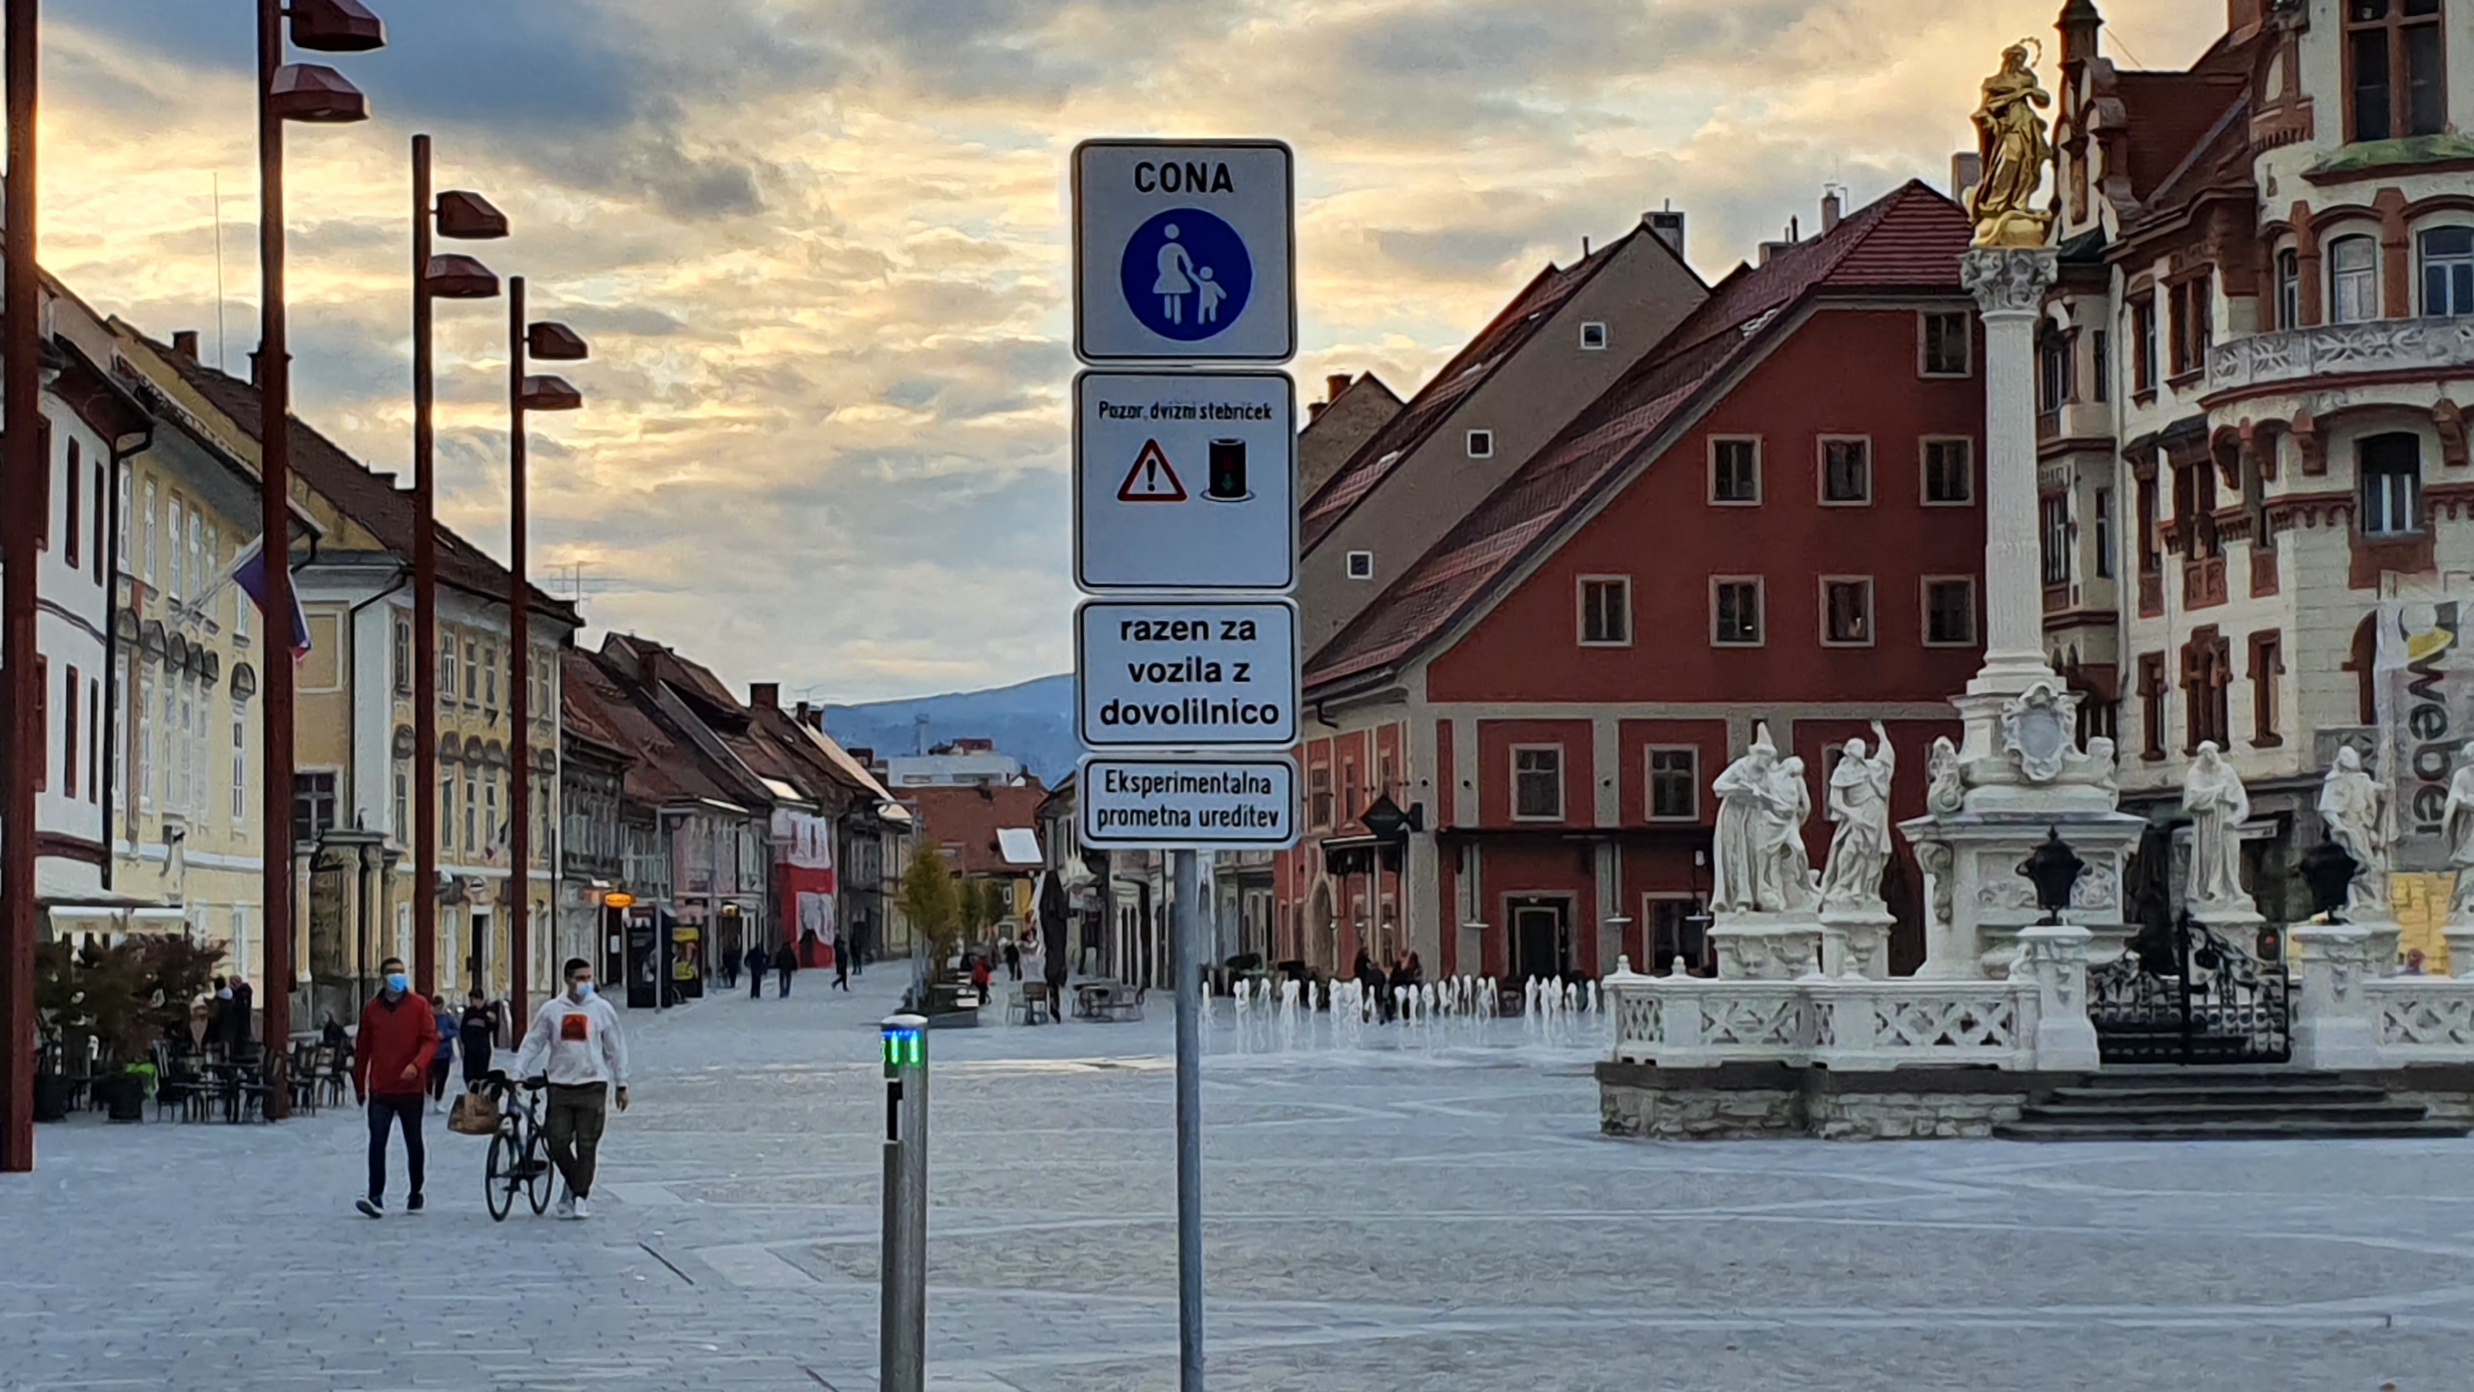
{"x":575,"y":1043}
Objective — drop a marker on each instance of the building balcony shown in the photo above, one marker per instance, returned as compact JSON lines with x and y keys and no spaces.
{"x":2381,"y":345}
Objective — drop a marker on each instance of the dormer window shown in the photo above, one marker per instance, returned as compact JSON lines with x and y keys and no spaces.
{"x":1361,"y":565}
{"x":1593,"y":336}
{"x":1481,"y":444}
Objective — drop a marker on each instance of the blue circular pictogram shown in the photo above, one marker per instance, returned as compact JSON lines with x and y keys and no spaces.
{"x":1186,"y":274}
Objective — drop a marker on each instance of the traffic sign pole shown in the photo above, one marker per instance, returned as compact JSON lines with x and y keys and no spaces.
{"x":1192,"y":949}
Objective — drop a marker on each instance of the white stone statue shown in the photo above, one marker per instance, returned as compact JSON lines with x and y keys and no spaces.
{"x":2457,"y":824}
{"x":1859,"y":801}
{"x":1790,"y":864}
{"x":2213,"y":795}
{"x":2355,"y":807}
{"x":1945,"y":790}
{"x":1745,"y":808}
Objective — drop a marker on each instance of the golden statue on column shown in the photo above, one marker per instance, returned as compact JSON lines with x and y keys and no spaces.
{"x":2010,"y":140}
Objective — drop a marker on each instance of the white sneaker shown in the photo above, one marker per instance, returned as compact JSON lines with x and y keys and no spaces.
{"x":566,"y":1204}
{"x":580,"y":1210}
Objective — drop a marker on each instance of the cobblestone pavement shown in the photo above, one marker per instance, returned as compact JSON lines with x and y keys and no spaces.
{"x":1415,"y":1213}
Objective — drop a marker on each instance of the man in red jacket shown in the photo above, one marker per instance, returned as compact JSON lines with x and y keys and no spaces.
{"x":390,"y":1067}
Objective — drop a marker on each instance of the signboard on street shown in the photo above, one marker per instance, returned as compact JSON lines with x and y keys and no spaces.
{"x":1184,"y":251}
{"x":1185,"y":481}
{"x":1179,"y":673}
{"x":1232,"y":801}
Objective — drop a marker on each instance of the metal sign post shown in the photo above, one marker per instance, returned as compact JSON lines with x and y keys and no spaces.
{"x":902,"y":1315}
{"x":1185,"y":511}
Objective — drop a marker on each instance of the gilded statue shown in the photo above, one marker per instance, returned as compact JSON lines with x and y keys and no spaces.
{"x":2010,"y":140}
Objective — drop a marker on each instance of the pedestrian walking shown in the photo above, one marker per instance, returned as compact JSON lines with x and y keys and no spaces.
{"x":809,"y":946}
{"x":442,"y":1063}
{"x":786,"y":964}
{"x":1013,"y":960}
{"x":758,"y":962}
{"x":239,"y":1029}
{"x":477,"y":1034}
{"x":575,"y":1044}
{"x":399,"y":1037}
{"x":841,"y":963}
{"x":730,"y":971}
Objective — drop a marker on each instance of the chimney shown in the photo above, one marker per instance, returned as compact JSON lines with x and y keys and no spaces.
{"x":765,"y":695}
{"x":185,"y":345}
{"x":253,"y":368}
{"x":1830,"y":209}
{"x":1335,"y":384}
{"x":1667,"y":225}
{"x":865,"y":755}
{"x":1966,"y":171}
{"x":1315,"y":410}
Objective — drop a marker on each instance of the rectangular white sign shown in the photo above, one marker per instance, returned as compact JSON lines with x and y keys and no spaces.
{"x":1233,"y":801}
{"x":1181,"y":673}
{"x":1185,"y":251}
{"x":1185,"y":481}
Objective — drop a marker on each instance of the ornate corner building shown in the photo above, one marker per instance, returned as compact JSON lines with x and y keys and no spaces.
{"x":2252,"y":379}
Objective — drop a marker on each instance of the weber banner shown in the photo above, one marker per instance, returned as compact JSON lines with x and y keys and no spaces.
{"x":2425,"y":690}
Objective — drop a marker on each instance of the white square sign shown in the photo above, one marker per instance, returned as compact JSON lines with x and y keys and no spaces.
{"x":1185,"y":481}
{"x":1217,"y":802}
{"x":1178,"y":673}
{"x":1185,"y":251}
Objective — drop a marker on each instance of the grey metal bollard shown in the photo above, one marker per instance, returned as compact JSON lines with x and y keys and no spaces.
{"x":902,"y":1318}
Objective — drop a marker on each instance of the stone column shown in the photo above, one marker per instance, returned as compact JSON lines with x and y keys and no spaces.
{"x":2054,"y":956}
{"x":2009,"y":285}
{"x":2332,"y":1021}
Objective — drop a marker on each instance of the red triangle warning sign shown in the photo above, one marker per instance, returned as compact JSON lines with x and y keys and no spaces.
{"x":1151,"y":480}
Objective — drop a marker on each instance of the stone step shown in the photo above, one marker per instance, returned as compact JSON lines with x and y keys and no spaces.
{"x":2198,"y":1093}
{"x":2373,"y":1109}
{"x":2137,"y":1075}
{"x":2298,"y":1129}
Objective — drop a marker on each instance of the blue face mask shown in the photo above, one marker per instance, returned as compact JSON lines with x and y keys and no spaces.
{"x":398,"y":982}
{"x":581,"y":990}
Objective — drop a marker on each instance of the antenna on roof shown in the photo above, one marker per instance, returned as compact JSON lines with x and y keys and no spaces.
{"x":1584,"y":246}
{"x":222,"y":350}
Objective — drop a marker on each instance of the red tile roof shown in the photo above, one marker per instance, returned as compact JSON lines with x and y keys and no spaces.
{"x":668,"y":768}
{"x":2169,"y":115}
{"x":968,"y":819}
{"x":1468,"y":370}
{"x":1909,"y":241}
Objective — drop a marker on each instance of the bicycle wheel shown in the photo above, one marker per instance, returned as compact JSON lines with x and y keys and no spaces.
{"x":502,"y":1176}
{"x":537,"y":1170}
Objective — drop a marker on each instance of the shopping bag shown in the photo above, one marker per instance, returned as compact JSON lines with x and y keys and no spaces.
{"x":474,"y":1114}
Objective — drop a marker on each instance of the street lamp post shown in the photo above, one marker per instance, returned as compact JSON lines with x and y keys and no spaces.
{"x":466,"y":216}
{"x":24,"y":467}
{"x":551,"y":342}
{"x":311,"y":93}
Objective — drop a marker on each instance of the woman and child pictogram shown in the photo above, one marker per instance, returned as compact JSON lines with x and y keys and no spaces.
{"x":1180,"y":277}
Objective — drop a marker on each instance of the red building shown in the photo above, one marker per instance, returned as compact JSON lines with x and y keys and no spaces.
{"x":1772,"y":515}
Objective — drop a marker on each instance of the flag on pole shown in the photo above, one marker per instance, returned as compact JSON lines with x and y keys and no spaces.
{"x":249,"y":572}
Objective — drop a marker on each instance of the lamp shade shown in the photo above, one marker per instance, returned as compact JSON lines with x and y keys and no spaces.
{"x":310,"y":92}
{"x":454,"y":277}
{"x":336,"y":26}
{"x":552,"y":341}
{"x":548,"y":393}
{"x":467,"y":216}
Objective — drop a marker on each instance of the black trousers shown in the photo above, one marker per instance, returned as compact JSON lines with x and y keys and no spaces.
{"x":401,"y":1109}
{"x":755,"y":985}
{"x":440,"y":1069}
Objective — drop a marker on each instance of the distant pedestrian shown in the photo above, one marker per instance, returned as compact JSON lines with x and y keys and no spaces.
{"x":442,"y":1062}
{"x":758,"y":962}
{"x":399,"y":1037}
{"x":239,"y":1029}
{"x":1013,"y":960}
{"x":786,"y":965}
{"x":730,"y":971}
{"x":841,"y":963}
{"x":476,"y":1032}
{"x":982,"y":977}
{"x":575,"y":1044}
{"x":809,"y":946}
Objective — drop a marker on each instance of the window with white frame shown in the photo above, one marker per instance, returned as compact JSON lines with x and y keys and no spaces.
{"x":1606,"y":611}
{"x":1674,"y":783}
{"x":446,"y":668}
{"x":2447,"y":271}
{"x":1735,"y":611}
{"x":240,"y":764}
{"x":1593,"y":336}
{"x":2390,"y":470}
{"x":1950,"y":611}
{"x":1949,"y":471}
{"x":1846,"y":470}
{"x":2103,"y":511}
{"x":152,"y":529}
{"x":1846,"y":611}
{"x":2054,"y":537}
{"x":1735,"y":470}
{"x":1946,"y":349}
{"x":2289,"y":289}
{"x":1537,"y":783}
{"x":2353,"y":280}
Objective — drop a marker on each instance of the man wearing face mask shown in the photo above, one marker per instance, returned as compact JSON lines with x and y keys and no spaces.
{"x":575,"y":1044}
{"x":390,"y":1066}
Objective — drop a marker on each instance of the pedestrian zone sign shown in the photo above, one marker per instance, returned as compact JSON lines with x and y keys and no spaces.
{"x":1185,"y":481}
{"x":1184,"y":251}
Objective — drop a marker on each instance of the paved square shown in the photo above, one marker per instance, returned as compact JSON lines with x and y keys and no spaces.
{"x":1416,"y":1212}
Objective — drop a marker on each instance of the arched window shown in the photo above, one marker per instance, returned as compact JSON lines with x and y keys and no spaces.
{"x":2447,"y":271}
{"x":2353,"y":280}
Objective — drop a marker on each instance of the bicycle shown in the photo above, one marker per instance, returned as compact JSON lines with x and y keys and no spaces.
{"x":518,"y":1156}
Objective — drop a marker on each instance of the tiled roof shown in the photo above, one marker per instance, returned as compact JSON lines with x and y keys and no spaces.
{"x":2169,"y":114}
{"x":968,"y":818}
{"x":1908,"y":241}
{"x":667,"y":768}
{"x":369,"y":498}
{"x":1520,"y":320}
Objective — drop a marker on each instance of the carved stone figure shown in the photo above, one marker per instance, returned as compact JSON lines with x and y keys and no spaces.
{"x":1859,"y":802}
{"x":2214,"y":797}
{"x":2457,"y":824}
{"x":1791,"y":865}
{"x":1945,"y":790}
{"x":1744,"y":808}
{"x":2355,"y":807}
{"x":2010,"y":141}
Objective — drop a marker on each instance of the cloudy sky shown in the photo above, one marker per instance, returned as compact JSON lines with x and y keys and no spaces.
{"x":820,"y":245}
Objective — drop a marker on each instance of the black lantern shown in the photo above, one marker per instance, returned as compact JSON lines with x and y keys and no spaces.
{"x":2329,"y":870}
{"x":2054,"y":868}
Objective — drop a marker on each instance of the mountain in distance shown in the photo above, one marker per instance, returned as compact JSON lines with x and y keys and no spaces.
{"x":1032,"y":721}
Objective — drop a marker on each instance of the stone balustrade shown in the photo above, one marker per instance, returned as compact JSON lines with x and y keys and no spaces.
{"x":1838,"y":1023}
{"x":2421,"y":1019}
{"x":2380,"y":345}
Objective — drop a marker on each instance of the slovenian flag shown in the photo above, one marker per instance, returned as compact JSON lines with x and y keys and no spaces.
{"x":249,"y":572}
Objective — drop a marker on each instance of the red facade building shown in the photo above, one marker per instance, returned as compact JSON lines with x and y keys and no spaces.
{"x":1773,"y":515}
